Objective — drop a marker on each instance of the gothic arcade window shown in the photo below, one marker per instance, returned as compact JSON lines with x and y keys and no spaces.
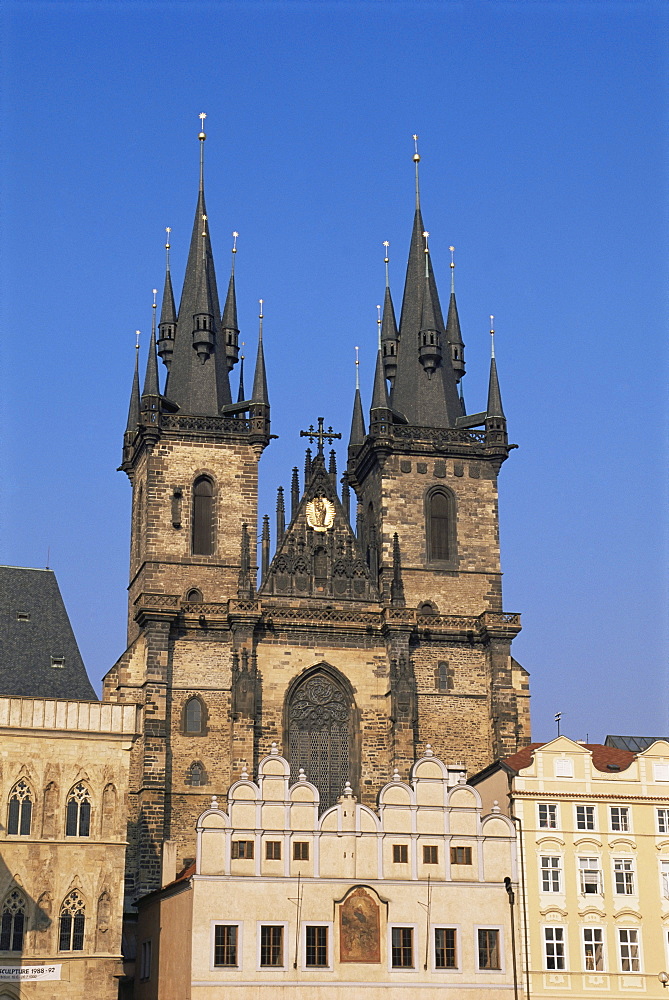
{"x":203,"y":517}
{"x":13,"y":920}
{"x":194,"y":717}
{"x":78,"y":819}
{"x":194,"y":596}
{"x":20,"y":809}
{"x":319,"y":735}
{"x":72,"y":921}
{"x":440,"y":525}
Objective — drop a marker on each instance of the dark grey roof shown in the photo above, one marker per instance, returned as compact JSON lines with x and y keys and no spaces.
{"x":425,"y":400}
{"x":494,"y":407}
{"x":168,"y":313}
{"x":358,"y":432}
{"x":36,"y":635}
{"x":133,"y":409}
{"x":453,"y":333}
{"x":198,"y":387}
{"x":389,"y":324}
{"x":380,"y":391}
{"x":260,"y":394}
{"x":151,"y":387}
{"x":634,"y":743}
{"x":229,"y":318}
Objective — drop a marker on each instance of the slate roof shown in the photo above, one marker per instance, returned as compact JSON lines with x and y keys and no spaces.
{"x":35,"y":629}
{"x":635,"y":743}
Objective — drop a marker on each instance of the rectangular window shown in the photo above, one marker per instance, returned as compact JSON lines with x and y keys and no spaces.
{"x":551,"y":874}
{"x":663,"y":820}
{"x":400,"y":854}
{"x":301,"y":850}
{"x":58,"y":662}
{"x":623,"y":869}
{"x":316,"y":956}
{"x":488,"y":945}
{"x":593,"y":949}
{"x":585,"y":817}
{"x":554,"y":947}
{"x":225,"y":945}
{"x":628,"y":941}
{"x":547,"y":816}
{"x":445,"y":948}
{"x":661,"y":772}
{"x":564,"y":767}
{"x":145,"y":961}
{"x":664,"y":876}
{"x":591,"y":876}
{"x":23,"y":616}
{"x":430,"y":855}
{"x":402,"y":947}
{"x":242,"y":849}
{"x":273,"y":850}
{"x":271,"y":946}
{"x":620,"y":819}
{"x":461,"y":855}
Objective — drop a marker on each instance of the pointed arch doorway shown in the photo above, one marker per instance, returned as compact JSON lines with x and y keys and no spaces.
{"x":320,"y":732}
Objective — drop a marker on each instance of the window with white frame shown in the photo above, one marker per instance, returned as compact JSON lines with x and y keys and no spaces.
{"x":623,"y":873}
{"x":554,"y":948}
{"x":585,"y":817}
{"x":593,"y":949}
{"x":663,"y":820}
{"x":317,"y":946}
{"x":590,"y":875}
{"x":445,"y":948}
{"x":564,"y":767}
{"x":226,"y":946}
{"x":489,"y":954}
{"x":661,"y":771}
{"x":628,"y":943}
{"x":664,"y":877}
{"x":620,"y":819}
{"x":401,"y":947}
{"x":271,"y":946}
{"x":548,"y":816}
{"x":551,"y":873}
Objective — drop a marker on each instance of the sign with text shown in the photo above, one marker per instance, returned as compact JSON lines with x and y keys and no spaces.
{"x":29,"y":973}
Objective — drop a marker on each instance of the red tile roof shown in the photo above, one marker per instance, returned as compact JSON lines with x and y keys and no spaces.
{"x":601,"y":757}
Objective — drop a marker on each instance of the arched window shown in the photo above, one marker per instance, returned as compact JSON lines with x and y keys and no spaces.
{"x":20,"y":809}
{"x":440,"y":524}
{"x":444,"y":676}
{"x":13,"y":920}
{"x":320,"y":733}
{"x":194,"y":596}
{"x":194,"y":717}
{"x":203,"y":516}
{"x":72,"y":921}
{"x":78,"y":822}
{"x":196,"y":774}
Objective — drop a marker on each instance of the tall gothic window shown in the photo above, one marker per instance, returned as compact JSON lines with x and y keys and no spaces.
{"x":440,"y":525}
{"x":78,"y":821}
{"x":13,"y":919}
{"x":20,"y":809}
{"x":319,"y":735}
{"x":193,"y":717}
{"x":203,"y":517}
{"x":72,"y":921}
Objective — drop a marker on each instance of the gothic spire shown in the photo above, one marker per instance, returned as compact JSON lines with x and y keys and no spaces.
{"x":427,"y":399}
{"x":494,"y":407}
{"x":151,"y":388}
{"x":240,"y":395}
{"x":357,"y":435}
{"x":133,"y":409}
{"x":168,"y":314}
{"x":389,"y":336}
{"x":380,"y":391}
{"x":453,"y":334}
{"x":260,"y":394}
{"x":229,"y":327}
{"x":199,"y":385}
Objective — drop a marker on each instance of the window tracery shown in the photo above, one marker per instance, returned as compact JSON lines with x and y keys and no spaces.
{"x":13,"y":921}
{"x":72,"y":922}
{"x":78,"y":820}
{"x":19,"y":816}
{"x":319,"y":732}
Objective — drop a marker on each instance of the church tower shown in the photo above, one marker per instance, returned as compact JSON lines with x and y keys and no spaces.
{"x":374,"y":624}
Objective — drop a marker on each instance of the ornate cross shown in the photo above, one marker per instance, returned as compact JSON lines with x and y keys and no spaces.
{"x":320,"y":435}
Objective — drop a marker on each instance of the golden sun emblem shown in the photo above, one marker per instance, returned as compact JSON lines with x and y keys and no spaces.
{"x":320,"y":513}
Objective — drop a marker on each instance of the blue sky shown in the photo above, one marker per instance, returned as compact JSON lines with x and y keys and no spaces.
{"x":544,"y":162}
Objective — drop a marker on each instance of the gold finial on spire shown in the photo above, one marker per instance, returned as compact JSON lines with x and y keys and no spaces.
{"x":168,"y":230}
{"x":243,"y":346}
{"x":260,"y":319}
{"x":137,"y":336}
{"x":416,"y":160}
{"x":357,"y":369}
{"x":452,"y":249}
{"x":492,"y":336}
{"x":234,"y":241}
{"x":378,"y":323}
{"x":202,"y":136}
{"x":426,"y":236}
{"x":204,"y":237}
{"x":386,"y":260}
{"x":153,"y":312}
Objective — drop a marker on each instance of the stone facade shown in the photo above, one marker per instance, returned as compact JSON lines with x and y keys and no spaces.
{"x":407,"y":897}
{"x":594,"y":853}
{"x":64,"y":785}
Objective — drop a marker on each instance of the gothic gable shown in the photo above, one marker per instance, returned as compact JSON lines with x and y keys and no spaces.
{"x":319,"y":555}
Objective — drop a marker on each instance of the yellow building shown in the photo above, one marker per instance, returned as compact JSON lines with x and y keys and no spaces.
{"x":64,"y":785}
{"x":594,"y":857}
{"x":404,"y":900}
